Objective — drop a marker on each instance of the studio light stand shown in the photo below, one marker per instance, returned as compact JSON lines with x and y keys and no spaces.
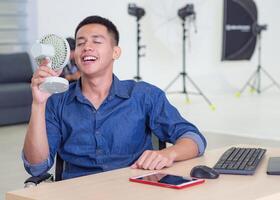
{"x":183,"y":13}
{"x":138,"y":13}
{"x":139,"y":47}
{"x":254,"y":80}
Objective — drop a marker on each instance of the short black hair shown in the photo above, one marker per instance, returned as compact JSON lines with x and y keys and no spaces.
{"x":94,"y":19}
{"x":71,"y":42}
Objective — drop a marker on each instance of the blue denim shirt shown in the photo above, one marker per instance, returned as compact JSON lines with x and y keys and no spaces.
{"x":114,"y":135}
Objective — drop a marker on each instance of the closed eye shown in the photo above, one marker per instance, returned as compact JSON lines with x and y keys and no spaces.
{"x":80,"y":43}
{"x":97,"y":42}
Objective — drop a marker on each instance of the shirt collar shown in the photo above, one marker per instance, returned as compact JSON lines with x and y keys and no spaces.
{"x":118,"y":88}
{"x":75,"y":91}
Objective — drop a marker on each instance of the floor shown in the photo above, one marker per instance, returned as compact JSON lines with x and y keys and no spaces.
{"x":250,"y":115}
{"x":12,"y":171}
{"x":250,"y":119}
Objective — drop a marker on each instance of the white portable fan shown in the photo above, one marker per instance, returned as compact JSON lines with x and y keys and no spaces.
{"x":56,"y":49}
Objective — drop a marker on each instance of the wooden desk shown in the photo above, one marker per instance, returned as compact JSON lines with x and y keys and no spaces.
{"x":115,"y":185}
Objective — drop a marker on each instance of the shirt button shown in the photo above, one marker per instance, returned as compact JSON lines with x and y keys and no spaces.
{"x":99,"y":151}
{"x":97,"y":132}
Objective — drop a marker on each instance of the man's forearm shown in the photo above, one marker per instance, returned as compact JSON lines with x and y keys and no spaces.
{"x":36,"y":148}
{"x":183,"y":149}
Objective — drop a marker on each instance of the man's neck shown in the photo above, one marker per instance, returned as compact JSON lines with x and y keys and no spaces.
{"x":96,"y":89}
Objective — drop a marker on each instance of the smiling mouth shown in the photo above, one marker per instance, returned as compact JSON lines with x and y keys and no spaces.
{"x":87,"y":59}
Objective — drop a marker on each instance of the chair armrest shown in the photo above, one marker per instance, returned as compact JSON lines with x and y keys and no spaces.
{"x":35,"y":180}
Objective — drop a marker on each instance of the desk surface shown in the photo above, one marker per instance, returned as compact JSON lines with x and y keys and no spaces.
{"x":115,"y":184}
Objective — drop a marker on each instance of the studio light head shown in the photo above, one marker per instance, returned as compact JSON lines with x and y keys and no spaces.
{"x":136,"y":11}
{"x":186,"y":11}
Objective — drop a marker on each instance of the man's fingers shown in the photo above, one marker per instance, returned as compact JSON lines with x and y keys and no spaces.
{"x":155,"y":162}
{"x":42,"y":74}
{"x":142,"y":159}
{"x":152,"y":160}
{"x":163,"y":163}
{"x":45,"y":61}
{"x":47,"y":70}
{"x":149,"y":159}
{"x":37,"y":81}
{"x":134,"y":166}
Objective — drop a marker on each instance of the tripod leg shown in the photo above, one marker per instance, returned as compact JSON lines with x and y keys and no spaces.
{"x":259,"y":80}
{"x":171,"y":83}
{"x":200,"y":92}
{"x":270,"y":77}
{"x":255,"y":82}
{"x":185,"y":91}
{"x":247,"y":83}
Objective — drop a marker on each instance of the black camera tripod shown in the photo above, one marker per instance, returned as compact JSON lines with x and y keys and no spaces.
{"x":137,"y":12}
{"x":139,"y":47}
{"x":254,"y":80}
{"x":185,"y":76}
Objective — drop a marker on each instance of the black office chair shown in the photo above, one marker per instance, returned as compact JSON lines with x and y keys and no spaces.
{"x":59,"y":165}
{"x":47,"y":177}
{"x":157,"y":144}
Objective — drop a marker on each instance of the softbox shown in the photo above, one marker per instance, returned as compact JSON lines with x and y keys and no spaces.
{"x":239,"y":37}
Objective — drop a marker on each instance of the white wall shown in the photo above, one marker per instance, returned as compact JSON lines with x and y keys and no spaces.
{"x":162,"y":33}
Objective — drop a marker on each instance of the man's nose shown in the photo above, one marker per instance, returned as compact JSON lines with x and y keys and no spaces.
{"x":88,"y":47}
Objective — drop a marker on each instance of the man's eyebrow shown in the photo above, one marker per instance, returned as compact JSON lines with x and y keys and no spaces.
{"x":81,"y":38}
{"x":93,"y":36}
{"x":98,"y":36}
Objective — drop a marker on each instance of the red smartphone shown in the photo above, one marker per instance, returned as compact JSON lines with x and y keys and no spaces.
{"x":167,"y":180}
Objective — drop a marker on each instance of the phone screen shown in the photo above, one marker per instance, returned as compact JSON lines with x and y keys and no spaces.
{"x":166,"y":178}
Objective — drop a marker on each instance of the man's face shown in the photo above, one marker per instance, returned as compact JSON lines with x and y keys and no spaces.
{"x":95,"y":50}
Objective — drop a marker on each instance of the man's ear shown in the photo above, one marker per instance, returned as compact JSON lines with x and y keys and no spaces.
{"x":117,"y":52}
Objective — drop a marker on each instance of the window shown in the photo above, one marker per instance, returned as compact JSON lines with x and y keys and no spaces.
{"x":13,"y":26}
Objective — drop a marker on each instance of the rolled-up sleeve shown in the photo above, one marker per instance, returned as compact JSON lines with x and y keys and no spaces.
{"x":197,"y":139}
{"x":36,"y":169}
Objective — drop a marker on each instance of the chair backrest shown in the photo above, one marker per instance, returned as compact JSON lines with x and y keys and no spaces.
{"x":161,"y":145}
{"x":59,"y":166}
{"x":157,"y":144}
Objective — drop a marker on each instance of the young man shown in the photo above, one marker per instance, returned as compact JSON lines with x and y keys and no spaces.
{"x":102,"y":123}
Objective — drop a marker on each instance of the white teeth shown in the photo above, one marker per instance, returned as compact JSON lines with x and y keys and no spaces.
{"x":89,"y":58}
